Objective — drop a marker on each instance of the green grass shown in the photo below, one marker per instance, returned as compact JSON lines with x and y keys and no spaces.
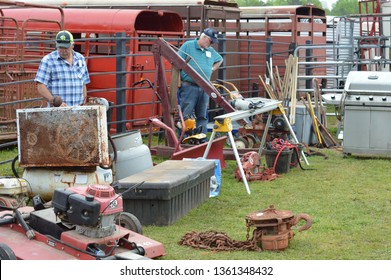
{"x":6,"y":168}
{"x":348,"y":199}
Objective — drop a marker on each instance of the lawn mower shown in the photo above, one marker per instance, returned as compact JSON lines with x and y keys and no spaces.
{"x":74,"y":212}
{"x":83,"y":223}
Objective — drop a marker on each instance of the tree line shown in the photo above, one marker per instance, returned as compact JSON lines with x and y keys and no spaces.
{"x":339,"y":8}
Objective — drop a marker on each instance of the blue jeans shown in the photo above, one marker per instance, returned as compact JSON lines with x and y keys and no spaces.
{"x":194,"y":100}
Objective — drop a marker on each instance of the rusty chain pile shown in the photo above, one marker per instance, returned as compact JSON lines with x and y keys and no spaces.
{"x":216,"y":241}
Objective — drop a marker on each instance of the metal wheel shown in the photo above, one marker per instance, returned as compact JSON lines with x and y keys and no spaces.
{"x":129,"y":221}
{"x":6,"y":252}
{"x":251,"y":140}
{"x":241,"y":143}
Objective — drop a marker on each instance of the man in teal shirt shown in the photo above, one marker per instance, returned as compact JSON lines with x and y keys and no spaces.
{"x":204,"y":60}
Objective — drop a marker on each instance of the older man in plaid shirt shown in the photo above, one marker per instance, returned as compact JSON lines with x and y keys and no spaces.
{"x":63,"y":73}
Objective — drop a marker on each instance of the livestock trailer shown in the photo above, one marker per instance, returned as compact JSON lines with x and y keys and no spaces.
{"x":95,"y":32}
{"x":222,"y":15}
{"x":18,"y":62}
{"x":275,"y":32}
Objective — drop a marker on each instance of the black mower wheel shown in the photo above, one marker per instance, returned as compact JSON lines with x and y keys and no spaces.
{"x":6,"y":252}
{"x":241,"y":143}
{"x":129,"y":221}
{"x":251,"y":139}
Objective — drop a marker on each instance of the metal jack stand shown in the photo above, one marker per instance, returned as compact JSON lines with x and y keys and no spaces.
{"x":259,"y":105}
{"x":225,"y":125}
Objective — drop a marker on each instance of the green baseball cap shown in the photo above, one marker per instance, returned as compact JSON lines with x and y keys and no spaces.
{"x":64,"y":39}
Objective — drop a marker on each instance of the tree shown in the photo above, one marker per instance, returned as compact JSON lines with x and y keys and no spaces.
{"x":345,"y":7}
{"x":316,"y":3}
{"x":247,"y":3}
{"x":340,"y":8}
{"x":244,"y":3}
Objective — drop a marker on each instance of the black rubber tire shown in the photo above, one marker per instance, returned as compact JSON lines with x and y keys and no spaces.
{"x":192,"y":142}
{"x":129,"y":221}
{"x":252,"y":140}
{"x":6,"y":252}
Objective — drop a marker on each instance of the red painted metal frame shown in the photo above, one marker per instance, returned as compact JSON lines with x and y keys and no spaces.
{"x":163,"y":49}
{"x":72,"y":245}
{"x":216,"y":151}
{"x":99,"y":54}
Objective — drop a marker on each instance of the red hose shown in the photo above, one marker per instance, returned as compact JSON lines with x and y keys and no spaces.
{"x":280,"y":145}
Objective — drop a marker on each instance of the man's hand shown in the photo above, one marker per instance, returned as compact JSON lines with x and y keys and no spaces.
{"x":56,"y":102}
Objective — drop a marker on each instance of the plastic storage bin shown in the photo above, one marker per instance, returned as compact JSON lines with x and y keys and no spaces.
{"x":170,"y":190}
{"x":283,"y":161}
{"x":303,"y":126}
{"x":296,"y":155}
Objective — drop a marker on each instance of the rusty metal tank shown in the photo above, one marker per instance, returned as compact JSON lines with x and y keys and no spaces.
{"x":273,"y":227}
{"x":63,"y":147}
{"x":63,"y":137}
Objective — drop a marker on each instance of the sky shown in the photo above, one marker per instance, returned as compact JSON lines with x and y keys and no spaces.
{"x":329,"y":3}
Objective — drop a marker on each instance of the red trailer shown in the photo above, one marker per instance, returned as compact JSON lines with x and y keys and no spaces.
{"x":286,"y":27}
{"x":16,"y":76}
{"x":142,"y":27}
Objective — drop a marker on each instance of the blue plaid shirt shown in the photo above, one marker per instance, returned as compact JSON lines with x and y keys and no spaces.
{"x":64,"y":79}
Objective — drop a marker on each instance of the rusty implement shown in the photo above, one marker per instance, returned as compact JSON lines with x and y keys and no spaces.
{"x":273,"y":228}
{"x":63,"y":137}
{"x":253,"y":170}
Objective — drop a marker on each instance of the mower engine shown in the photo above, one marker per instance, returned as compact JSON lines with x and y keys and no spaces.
{"x":12,"y":192}
{"x":91,"y":209}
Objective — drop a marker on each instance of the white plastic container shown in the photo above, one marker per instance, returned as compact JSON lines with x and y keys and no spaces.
{"x":132,"y":155}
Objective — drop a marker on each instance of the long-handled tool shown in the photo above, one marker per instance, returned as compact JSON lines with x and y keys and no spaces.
{"x":282,"y":110}
{"x":324,"y":136}
{"x":314,"y":119}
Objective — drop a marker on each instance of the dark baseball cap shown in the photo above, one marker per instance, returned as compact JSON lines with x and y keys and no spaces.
{"x":64,"y":39}
{"x":212,"y":34}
